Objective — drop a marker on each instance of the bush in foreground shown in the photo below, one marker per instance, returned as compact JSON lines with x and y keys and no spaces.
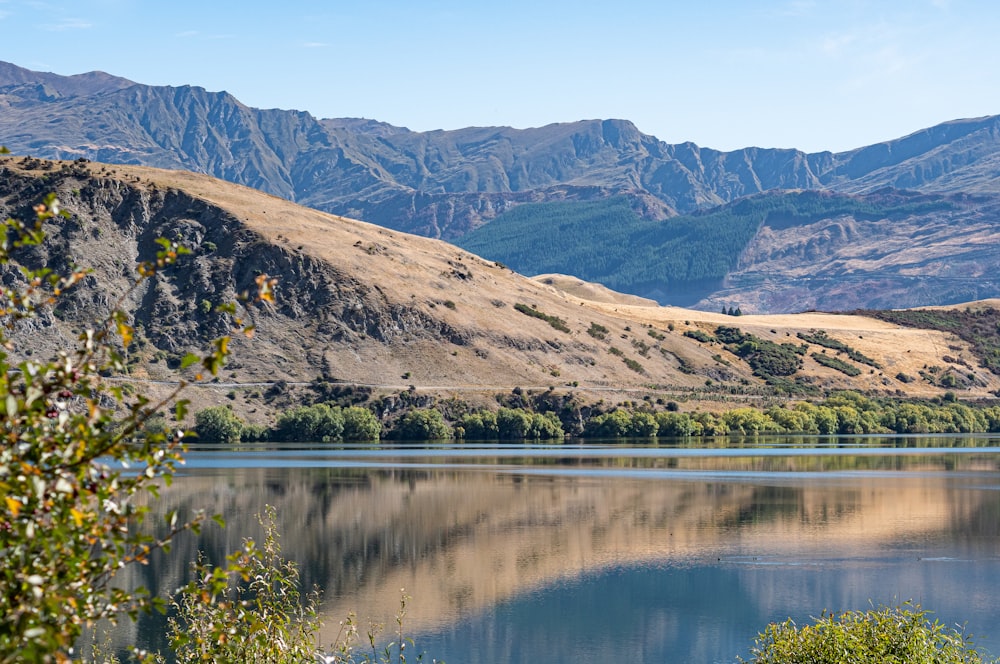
{"x":901,"y":634}
{"x":261,"y":620}
{"x":252,"y":610}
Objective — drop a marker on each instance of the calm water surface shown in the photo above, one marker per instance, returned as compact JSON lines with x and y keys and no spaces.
{"x":613,"y":553}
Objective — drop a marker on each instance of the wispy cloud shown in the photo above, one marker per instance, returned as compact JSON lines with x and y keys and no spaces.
{"x":315,"y":45}
{"x":64,"y":24}
{"x":889,"y":61}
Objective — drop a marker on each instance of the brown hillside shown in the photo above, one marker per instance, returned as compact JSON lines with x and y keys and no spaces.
{"x":365,"y":306}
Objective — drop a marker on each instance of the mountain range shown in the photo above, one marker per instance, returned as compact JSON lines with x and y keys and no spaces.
{"x":452,"y":184}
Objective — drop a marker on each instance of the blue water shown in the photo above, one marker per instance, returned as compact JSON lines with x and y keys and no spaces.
{"x":670,"y":553}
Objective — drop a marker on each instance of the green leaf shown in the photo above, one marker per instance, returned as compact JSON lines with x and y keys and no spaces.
{"x":189,"y":359}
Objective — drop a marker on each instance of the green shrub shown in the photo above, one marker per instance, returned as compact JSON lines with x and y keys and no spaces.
{"x":481,"y":425}
{"x":837,"y":364}
{"x":360,"y":424}
{"x":249,"y":611}
{"x":545,"y":426}
{"x":422,"y":424}
{"x":513,"y":424}
{"x":643,"y":425}
{"x":674,"y":424}
{"x":698,"y":335}
{"x":597,"y":331}
{"x":554,"y":321}
{"x":218,"y":424}
{"x":255,"y":433}
{"x":903,"y":634}
{"x":820,"y":338}
{"x":634,"y":365}
{"x":767,"y":358}
{"x":616,"y":424}
{"x":316,"y":423}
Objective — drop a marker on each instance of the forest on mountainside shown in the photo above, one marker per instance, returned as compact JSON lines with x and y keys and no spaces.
{"x":607,"y":242}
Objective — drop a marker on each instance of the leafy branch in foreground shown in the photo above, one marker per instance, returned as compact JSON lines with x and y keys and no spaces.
{"x":76,"y":459}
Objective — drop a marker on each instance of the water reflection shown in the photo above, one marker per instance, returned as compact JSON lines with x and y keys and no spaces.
{"x":567,"y":553}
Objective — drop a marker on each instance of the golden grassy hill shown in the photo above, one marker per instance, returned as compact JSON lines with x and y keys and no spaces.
{"x":363,"y":307}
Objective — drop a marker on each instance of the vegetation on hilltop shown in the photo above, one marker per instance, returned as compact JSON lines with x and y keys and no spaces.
{"x":980,"y":327}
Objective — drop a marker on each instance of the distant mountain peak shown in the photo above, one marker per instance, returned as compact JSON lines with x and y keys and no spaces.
{"x":77,"y":85}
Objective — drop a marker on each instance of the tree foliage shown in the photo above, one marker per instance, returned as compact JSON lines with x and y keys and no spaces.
{"x":422,"y":424}
{"x":218,"y":424}
{"x":316,"y":423}
{"x":360,"y":424}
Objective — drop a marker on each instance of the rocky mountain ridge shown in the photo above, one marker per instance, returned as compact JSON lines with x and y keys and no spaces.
{"x":446,"y":184}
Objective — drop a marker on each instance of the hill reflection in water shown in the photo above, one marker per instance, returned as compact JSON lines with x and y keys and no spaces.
{"x":603,"y":552}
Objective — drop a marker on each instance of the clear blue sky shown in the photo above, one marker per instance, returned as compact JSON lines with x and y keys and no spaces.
{"x":811,"y":74}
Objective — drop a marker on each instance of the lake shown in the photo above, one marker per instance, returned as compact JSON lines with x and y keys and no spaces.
{"x":611,"y":552}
